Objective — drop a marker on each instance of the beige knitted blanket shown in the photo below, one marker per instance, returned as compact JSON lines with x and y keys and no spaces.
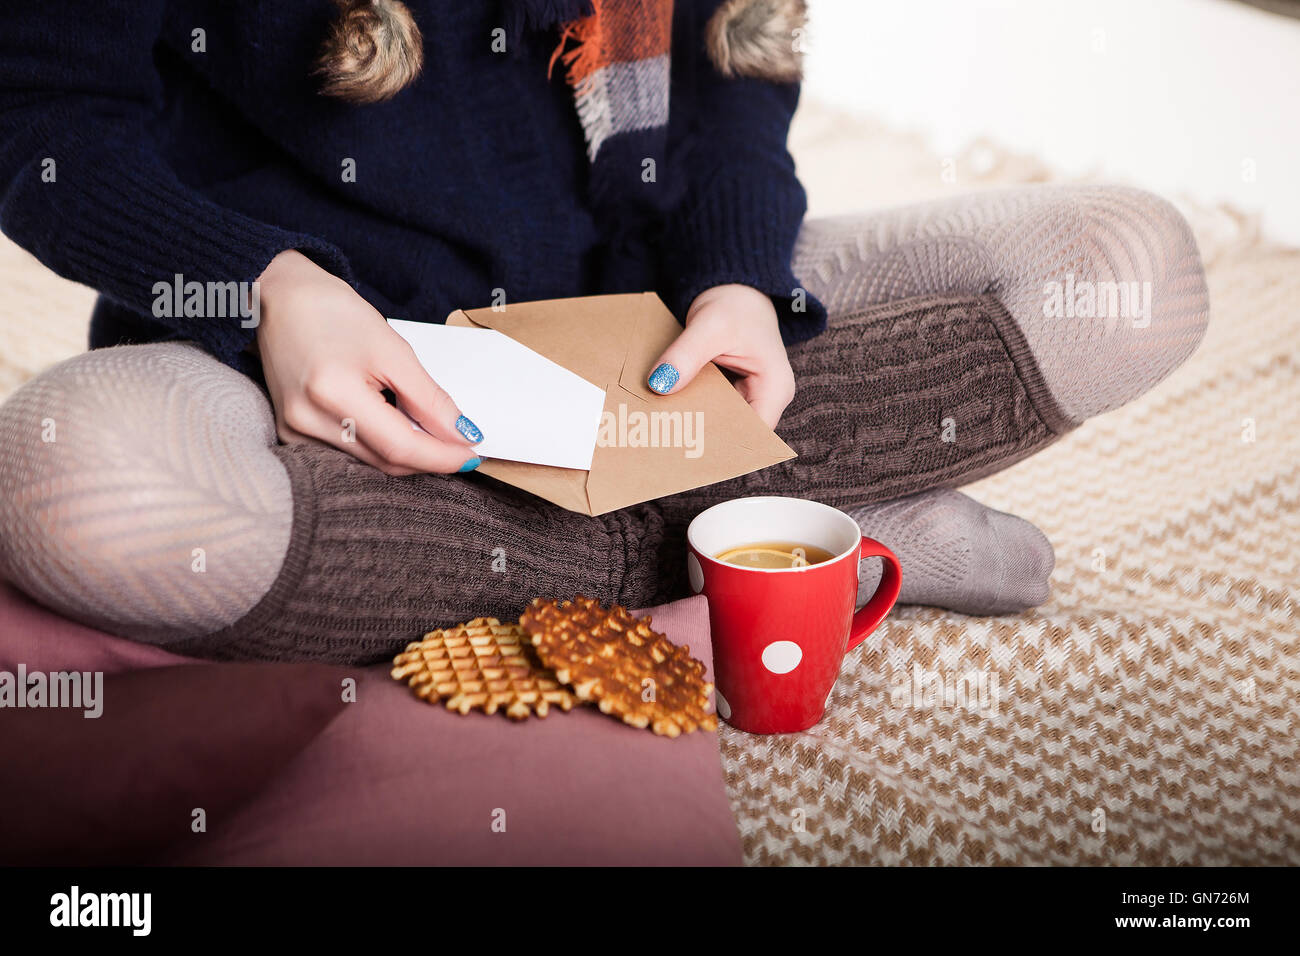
{"x":1150,"y":712}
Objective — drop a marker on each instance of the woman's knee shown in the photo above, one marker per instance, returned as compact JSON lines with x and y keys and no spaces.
{"x":1108,"y":285}
{"x":1104,"y":282}
{"x":105,"y":457}
{"x":1111,"y":253}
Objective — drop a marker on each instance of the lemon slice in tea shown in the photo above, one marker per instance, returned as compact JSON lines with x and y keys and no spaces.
{"x":752,"y":557}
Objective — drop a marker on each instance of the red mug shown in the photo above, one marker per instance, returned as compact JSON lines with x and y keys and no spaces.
{"x":780,"y":634}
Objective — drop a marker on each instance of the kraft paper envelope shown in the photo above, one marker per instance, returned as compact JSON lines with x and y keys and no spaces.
{"x":650,"y":445}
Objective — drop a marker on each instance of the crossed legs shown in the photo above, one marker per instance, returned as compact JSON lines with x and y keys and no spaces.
{"x":163,"y":510}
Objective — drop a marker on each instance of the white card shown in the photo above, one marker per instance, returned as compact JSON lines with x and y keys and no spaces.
{"x":527,"y":407}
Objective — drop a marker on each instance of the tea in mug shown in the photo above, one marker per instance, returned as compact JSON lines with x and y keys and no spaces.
{"x":774,"y":554}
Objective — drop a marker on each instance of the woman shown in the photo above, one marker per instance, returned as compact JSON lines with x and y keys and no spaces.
{"x":409,"y":159}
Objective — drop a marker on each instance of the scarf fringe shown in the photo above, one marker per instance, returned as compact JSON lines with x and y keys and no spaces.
{"x":581,"y":59}
{"x":594,"y":114}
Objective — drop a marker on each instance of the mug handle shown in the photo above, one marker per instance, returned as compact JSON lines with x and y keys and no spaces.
{"x":891,"y":581}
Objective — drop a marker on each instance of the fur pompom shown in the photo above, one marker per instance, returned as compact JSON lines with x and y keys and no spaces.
{"x":758,"y":38}
{"x":374,"y":50}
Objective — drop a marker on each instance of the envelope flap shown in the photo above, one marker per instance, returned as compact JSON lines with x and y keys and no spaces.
{"x":588,"y":335}
{"x":653,"y":329}
{"x":651,"y":448}
{"x":730,"y":415}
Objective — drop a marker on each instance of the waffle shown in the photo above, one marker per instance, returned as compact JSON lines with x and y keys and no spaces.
{"x":482,"y":665}
{"x":608,"y":656}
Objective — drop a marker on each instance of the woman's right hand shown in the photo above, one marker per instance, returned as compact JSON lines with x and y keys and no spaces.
{"x":327,"y":356}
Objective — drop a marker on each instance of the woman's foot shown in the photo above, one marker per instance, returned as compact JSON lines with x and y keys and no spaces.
{"x":958,"y":554}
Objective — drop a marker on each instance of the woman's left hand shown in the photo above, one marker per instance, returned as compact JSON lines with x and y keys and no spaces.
{"x":735,"y":327}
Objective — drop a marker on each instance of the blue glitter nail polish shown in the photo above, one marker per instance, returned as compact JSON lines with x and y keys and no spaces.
{"x":468,"y":429}
{"x":470,"y":465}
{"x":663,"y":379}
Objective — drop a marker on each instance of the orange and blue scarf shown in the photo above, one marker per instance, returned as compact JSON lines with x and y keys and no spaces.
{"x":617,"y":58}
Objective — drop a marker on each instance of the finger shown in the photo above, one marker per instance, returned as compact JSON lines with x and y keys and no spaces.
{"x":341,"y":437}
{"x":422,"y":398}
{"x":768,"y":396}
{"x":356,"y":419}
{"x":694,"y":348}
{"x":388,"y":433}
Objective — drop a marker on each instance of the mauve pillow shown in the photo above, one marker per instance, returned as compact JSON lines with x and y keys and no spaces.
{"x":44,"y":640}
{"x":123,"y":786}
{"x":396,"y":781}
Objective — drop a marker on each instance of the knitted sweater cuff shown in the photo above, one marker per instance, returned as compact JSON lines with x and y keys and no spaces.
{"x":740,"y":227}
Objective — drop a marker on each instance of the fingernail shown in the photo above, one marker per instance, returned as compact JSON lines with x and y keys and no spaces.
{"x":663,"y":379}
{"x":470,"y":465}
{"x":469,"y":430}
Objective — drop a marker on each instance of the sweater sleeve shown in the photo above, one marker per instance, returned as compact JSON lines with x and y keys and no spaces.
{"x":83,"y":188}
{"x":742,"y":204}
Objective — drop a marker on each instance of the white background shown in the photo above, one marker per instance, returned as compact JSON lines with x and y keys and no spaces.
{"x":1184,"y":97}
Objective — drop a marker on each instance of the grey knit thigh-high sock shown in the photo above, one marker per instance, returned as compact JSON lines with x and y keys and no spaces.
{"x":1105,"y":283}
{"x":957,"y":554}
{"x":939,"y":365}
{"x":952,"y":352}
{"x":138,"y":493}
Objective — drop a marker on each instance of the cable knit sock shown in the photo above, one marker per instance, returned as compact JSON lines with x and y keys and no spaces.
{"x":958,"y":554}
{"x":375,"y":561}
{"x":898,"y":398}
{"x":142,"y":492}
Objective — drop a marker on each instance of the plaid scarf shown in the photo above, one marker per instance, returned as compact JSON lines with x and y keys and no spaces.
{"x":616,"y":54}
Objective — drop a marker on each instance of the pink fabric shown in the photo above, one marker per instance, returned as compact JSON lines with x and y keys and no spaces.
{"x":395,"y":781}
{"x":50,"y":642}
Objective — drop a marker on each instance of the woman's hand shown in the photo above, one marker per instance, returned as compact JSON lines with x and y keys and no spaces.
{"x":327,"y":355}
{"x":735,"y":327}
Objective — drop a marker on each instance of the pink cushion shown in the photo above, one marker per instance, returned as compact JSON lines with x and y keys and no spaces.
{"x":122,"y":787}
{"x":396,"y":781}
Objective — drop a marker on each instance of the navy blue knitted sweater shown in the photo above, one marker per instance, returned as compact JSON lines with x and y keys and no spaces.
{"x":133,"y":149}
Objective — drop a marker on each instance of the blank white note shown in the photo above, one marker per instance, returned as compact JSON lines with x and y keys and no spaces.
{"x":528,"y":407}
